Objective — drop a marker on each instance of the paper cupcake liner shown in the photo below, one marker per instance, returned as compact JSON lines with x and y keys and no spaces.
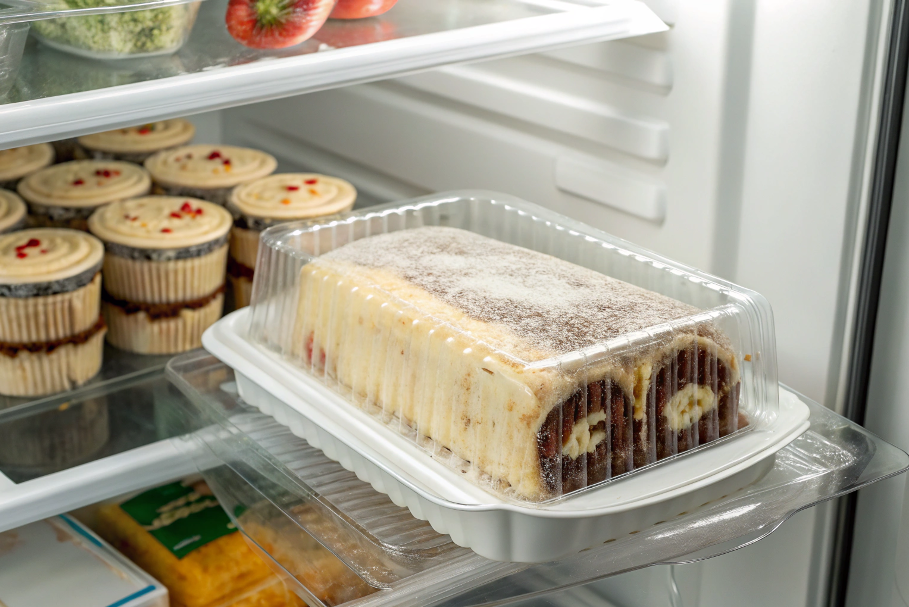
{"x":57,"y":439}
{"x":244,"y":246}
{"x":138,"y":333}
{"x":242,"y":288}
{"x":61,"y":369}
{"x":51,"y":317}
{"x":173,"y":281}
{"x":216,"y":195}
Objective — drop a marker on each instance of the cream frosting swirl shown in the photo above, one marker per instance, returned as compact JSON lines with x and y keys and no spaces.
{"x":18,"y":162}
{"x":160,"y":222}
{"x":149,"y":137}
{"x":209,"y":166}
{"x":293,"y":196}
{"x":47,"y":254}
{"x":85,"y":183}
{"x":12,"y":209}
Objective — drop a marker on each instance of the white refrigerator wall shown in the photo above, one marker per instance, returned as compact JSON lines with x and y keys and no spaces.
{"x":736,"y":142}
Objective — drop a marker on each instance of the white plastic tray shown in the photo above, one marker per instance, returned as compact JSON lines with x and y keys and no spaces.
{"x":491,"y":526}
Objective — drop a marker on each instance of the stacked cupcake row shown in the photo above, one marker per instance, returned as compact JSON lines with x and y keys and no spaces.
{"x":165,"y":256}
{"x":163,"y":261}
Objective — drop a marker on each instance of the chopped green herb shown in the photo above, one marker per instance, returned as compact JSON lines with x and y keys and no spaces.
{"x":131,"y":33}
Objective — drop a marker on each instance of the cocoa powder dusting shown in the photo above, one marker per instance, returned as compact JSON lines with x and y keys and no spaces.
{"x":552,"y":305}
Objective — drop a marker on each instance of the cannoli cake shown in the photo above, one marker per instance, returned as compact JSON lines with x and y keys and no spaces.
{"x":136,"y":143}
{"x":65,"y":195}
{"x":206,"y":171}
{"x":164,"y":270}
{"x":478,"y":345}
{"x":51,"y":332}
{"x":272,"y":200}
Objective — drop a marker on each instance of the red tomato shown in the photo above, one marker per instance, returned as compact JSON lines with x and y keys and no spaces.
{"x":275,"y":23}
{"x":358,"y":9}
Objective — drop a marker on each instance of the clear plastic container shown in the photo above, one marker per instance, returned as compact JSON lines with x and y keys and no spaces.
{"x":536,"y":373}
{"x":12,"y":45}
{"x":52,"y":561}
{"x":292,"y":501}
{"x":112,"y":29}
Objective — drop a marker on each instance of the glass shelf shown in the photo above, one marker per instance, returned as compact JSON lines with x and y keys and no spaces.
{"x":213,"y":71}
{"x":291,"y":501}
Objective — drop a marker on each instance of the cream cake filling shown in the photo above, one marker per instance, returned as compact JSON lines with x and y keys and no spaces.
{"x":85,"y":183}
{"x":688,"y":405}
{"x":46,"y":254}
{"x":148,"y":137}
{"x":583,"y":438}
{"x":209,"y":166}
{"x":160,"y":222}
{"x":293,"y":196}
{"x":16,"y":162}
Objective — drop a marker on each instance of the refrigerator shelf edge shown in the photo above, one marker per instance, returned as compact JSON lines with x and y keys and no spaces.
{"x":833,"y":457}
{"x":212,"y":71}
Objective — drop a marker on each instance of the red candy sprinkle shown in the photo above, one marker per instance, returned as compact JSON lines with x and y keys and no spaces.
{"x":293,"y":188}
{"x":78,"y":182}
{"x":214,"y":155}
{"x":32,"y":242}
{"x":146,"y":129}
{"x":186,"y":207}
{"x":176,"y":215}
{"x":311,"y":181}
{"x":166,"y":230}
{"x":226,"y":162}
{"x":104,"y":173}
{"x":43,"y":251}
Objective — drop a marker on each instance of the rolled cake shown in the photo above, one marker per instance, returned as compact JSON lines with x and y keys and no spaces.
{"x":65,"y":195}
{"x":164,"y":271}
{"x":16,"y":163}
{"x":275,"y":199}
{"x":208,"y":172}
{"x":137,"y":143}
{"x":480,"y":346}
{"x":51,"y":332}
{"x":12,"y":212}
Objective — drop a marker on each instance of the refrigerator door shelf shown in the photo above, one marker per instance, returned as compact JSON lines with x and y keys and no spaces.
{"x":490,"y":525}
{"x":213,"y":71}
{"x":279,"y":486}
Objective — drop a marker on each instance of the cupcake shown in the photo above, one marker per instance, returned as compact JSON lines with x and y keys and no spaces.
{"x":163,"y":271}
{"x":65,"y":195}
{"x":208,"y":172}
{"x":137,"y":143}
{"x":51,"y":332}
{"x":271,"y":200}
{"x":12,"y":212}
{"x":16,"y":163}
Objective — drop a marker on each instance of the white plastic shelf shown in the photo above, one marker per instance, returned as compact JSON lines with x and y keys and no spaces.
{"x":57,"y":95}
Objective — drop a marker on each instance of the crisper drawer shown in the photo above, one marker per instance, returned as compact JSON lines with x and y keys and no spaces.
{"x":337,"y":540}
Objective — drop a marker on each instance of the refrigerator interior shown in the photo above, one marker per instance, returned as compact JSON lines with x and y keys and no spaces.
{"x":737,"y":142}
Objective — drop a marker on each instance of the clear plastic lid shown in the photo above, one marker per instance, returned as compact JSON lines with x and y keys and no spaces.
{"x":336,"y":540}
{"x":540,"y":355}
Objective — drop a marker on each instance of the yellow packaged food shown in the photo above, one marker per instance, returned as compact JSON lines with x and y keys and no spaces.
{"x":180,"y":535}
